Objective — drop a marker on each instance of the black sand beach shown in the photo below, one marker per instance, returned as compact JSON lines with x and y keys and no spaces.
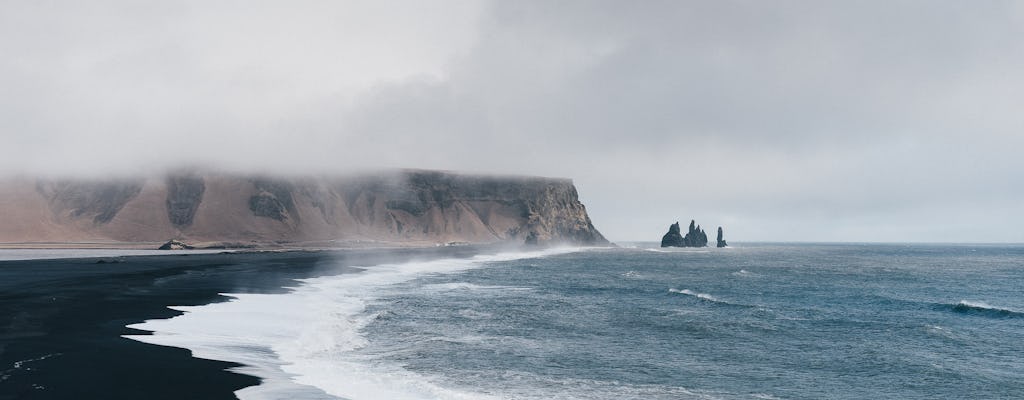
{"x":61,"y":321}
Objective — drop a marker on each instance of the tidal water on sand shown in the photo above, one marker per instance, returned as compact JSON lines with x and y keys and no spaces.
{"x":755,"y":321}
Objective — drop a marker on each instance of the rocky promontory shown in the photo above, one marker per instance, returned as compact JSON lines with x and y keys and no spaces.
{"x":407,"y":207}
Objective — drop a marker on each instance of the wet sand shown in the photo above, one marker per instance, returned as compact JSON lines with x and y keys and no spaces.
{"x":61,"y":321}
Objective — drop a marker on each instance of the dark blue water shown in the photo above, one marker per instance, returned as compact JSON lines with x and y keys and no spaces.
{"x":753,"y":321}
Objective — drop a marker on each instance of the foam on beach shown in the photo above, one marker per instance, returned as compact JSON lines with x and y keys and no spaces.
{"x":305,"y":342}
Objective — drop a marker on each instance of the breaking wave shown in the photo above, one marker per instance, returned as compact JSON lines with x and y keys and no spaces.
{"x":985,"y":309}
{"x":702,"y":296}
{"x":303,"y":344}
{"x":708,"y":298}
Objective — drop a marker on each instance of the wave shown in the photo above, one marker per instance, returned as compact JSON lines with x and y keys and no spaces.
{"x":631,"y":275}
{"x":710,"y":299}
{"x":304,"y":343}
{"x":679,"y":250}
{"x":985,"y":309}
{"x":702,"y":296}
{"x":455,"y":286}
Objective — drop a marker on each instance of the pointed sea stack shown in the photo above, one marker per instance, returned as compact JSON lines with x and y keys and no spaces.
{"x":695,"y":236}
{"x":673,"y":238}
{"x":721,"y":240}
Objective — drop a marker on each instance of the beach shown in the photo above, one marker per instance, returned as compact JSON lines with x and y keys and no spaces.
{"x":62,"y":320}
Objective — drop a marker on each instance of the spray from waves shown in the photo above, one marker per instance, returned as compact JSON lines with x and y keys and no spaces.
{"x":303,"y":343}
{"x":985,"y":309}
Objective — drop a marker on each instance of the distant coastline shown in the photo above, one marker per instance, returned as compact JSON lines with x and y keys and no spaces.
{"x":405,"y":208}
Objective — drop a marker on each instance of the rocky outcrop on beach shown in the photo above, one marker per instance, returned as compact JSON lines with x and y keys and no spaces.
{"x":721,"y":240}
{"x":175,"y":245}
{"x":410,"y":206}
{"x":695,"y":236}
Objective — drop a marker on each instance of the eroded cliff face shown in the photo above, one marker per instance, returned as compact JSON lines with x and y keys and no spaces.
{"x":407,"y":207}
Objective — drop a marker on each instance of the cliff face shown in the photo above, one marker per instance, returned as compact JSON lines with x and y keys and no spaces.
{"x":409,"y":206}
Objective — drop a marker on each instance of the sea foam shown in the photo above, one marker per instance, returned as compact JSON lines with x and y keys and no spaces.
{"x":304,"y":342}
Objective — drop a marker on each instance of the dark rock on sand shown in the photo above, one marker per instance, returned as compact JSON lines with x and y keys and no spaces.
{"x":175,"y":245}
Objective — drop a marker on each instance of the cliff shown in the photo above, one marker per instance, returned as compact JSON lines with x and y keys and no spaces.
{"x":417,"y":207}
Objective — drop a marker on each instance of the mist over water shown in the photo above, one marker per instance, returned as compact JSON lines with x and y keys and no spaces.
{"x":754,"y":321}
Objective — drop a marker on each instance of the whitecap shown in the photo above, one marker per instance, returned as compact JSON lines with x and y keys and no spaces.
{"x":966,"y":306}
{"x":689,"y":292}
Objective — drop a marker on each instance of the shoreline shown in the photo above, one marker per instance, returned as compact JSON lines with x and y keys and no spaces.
{"x":238,"y":246}
{"x":63,"y":319}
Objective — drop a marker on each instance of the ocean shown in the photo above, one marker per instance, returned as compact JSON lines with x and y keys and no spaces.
{"x":753,"y":321}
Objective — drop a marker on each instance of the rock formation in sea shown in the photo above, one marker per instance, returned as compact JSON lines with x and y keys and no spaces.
{"x":408,"y":207}
{"x":695,"y":236}
{"x":673,"y":238}
{"x":721,"y":239}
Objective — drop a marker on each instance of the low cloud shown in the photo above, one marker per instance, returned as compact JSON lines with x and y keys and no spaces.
{"x":891,"y":121}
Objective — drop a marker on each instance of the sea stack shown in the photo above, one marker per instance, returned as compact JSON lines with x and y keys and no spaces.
{"x":695,"y":236}
{"x":721,"y":240}
{"x":673,"y":238}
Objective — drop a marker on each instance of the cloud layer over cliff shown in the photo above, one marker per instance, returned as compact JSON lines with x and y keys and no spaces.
{"x":782,"y":120}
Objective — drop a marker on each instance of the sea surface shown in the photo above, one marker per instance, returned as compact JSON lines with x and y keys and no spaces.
{"x":754,"y":321}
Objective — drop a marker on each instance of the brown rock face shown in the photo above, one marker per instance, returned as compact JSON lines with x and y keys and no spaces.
{"x":184,"y":193}
{"x":99,"y":200}
{"x":407,"y":206}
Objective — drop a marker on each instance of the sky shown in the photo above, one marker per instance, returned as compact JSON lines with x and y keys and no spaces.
{"x":893,"y":121}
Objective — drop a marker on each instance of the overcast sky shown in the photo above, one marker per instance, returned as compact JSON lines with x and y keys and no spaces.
{"x":781,"y":120}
